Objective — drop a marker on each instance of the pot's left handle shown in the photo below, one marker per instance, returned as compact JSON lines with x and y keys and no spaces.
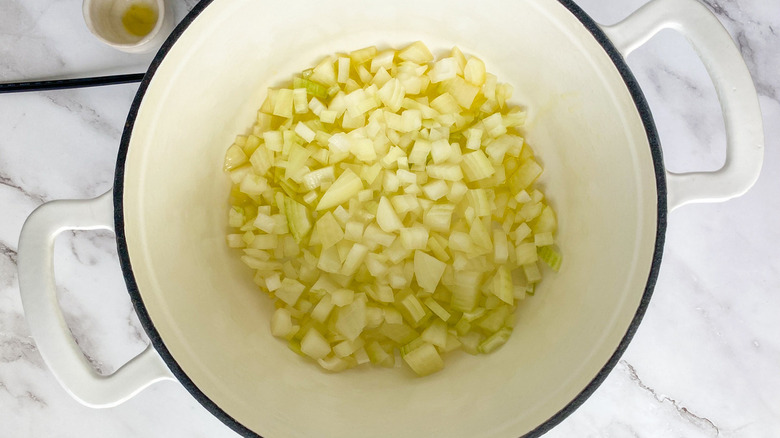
{"x":47,"y":325}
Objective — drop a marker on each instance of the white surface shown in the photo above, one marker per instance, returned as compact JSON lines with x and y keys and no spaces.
{"x":704,"y":362}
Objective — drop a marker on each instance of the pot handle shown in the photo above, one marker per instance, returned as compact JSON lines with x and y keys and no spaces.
{"x":47,"y":325}
{"x":736,"y":92}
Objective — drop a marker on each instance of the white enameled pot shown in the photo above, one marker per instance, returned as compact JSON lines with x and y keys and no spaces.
{"x":604,"y":174}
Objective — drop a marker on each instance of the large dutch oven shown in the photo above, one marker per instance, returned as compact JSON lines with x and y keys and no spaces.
{"x":604,"y":174}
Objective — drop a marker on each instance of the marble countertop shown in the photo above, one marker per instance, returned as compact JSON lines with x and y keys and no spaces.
{"x":704,"y":363}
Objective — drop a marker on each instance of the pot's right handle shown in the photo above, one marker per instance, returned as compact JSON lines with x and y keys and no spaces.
{"x":42,"y":312}
{"x":737,"y":94}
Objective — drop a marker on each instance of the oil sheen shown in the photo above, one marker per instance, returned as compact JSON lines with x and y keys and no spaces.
{"x":139,"y":19}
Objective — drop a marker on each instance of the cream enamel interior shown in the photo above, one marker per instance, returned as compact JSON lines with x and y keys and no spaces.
{"x":599,"y":176}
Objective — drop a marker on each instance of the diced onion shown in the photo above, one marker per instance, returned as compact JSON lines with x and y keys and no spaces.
{"x":386,"y":201}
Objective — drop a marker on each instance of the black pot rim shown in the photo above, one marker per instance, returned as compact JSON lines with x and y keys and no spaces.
{"x":211,"y":406}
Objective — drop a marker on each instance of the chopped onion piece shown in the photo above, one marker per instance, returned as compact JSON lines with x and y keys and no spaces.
{"x":382,"y":59}
{"x":414,"y":238}
{"x":363,"y":55}
{"x":281,"y":323}
{"x":304,"y":131}
{"x":428,"y":271}
{"x":314,"y":344}
{"x":343,"y":74}
{"x":345,"y":187}
{"x":551,"y":257}
{"x":417,"y":52}
{"x":437,"y":309}
{"x":443,"y":69}
{"x":474,"y":72}
{"x":300,"y":102}
{"x":387,"y":219}
{"x":329,"y":230}
{"x":424,"y":360}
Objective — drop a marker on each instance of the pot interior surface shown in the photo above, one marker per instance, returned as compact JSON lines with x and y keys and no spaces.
{"x":214,"y":323}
